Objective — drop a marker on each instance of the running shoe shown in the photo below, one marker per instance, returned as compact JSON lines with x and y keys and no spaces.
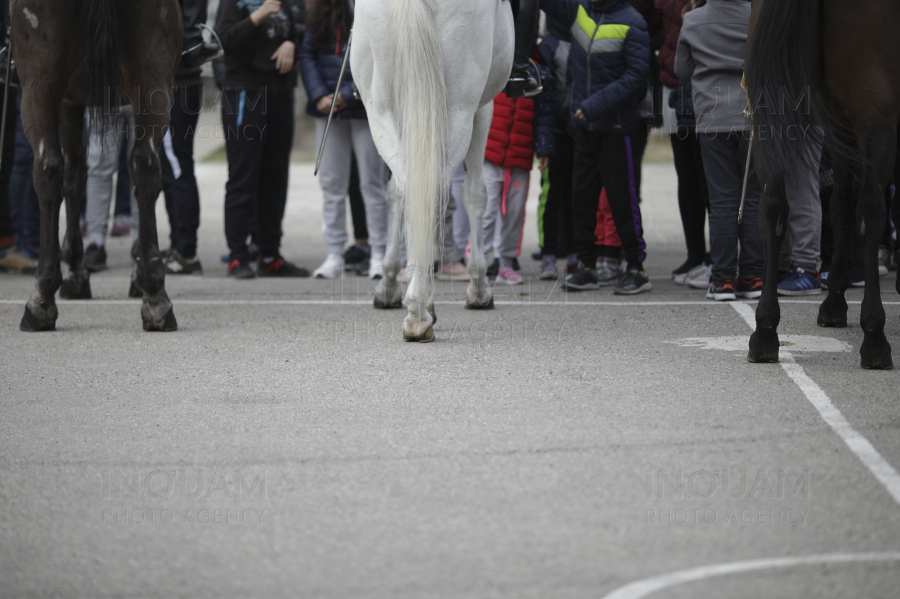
{"x":452,"y":271}
{"x":800,"y":282}
{"x":357,"y":253}
{"x":722,"y":291}
{"x":121,"y":226}
{"x":609,"y":271}
{"x":700,"y":280}
{"x":376,"y":268}
{"x":332,"y":268}
{"x":549,"y":270}
{"x":508,"y":276}
{"x":176,"y":264}
{"x":279,"y":267}
{"x":686,"y":267}
{"x":682,"y":278}
{"x":748,"y":288}
{"x":634,"y":281}
{"x":582,"y":279}
{"x":240,"y":269}
{"x":494,"y":268}
{"x":12,"y":259}
{"x":94,"y":258}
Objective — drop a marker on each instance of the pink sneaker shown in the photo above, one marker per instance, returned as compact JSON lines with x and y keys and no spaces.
{"x":121,"y":226}
{"x":508,"y":276}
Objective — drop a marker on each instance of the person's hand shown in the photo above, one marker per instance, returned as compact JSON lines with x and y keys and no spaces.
{"x":543,"y":162}
{"x":323,"y":104}
{"x":340,"y":104}
{"x":284,"y":57}
{"x":580,"y":115}
{"x":269,"y":8}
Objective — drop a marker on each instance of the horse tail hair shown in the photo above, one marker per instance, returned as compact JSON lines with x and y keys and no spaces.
{"x":420,"y":100}
{"x":101,"y":22}
{"x":787,"y":114}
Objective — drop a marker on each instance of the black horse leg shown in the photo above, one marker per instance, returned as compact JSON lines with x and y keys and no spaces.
{"x":875,"y":352}
{"x":895,"y":207}
{"x":773,"y":222}
{"x":144,"y":167}
{"x":77,"y":285}
{"x":833,"y":310}
{"x":40,"y":120}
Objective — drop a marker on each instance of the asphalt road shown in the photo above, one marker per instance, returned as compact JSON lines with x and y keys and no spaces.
{"x":286,"y":442}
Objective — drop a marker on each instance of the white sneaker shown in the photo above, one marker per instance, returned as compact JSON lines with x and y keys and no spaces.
{"x":701,"y":279}
{"x":682,"y":279}
{"x":332,"y":268}
{"x":376,"y":268}
{"x":549,"y":270}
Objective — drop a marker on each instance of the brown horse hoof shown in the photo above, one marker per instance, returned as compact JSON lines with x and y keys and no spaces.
{"x":763,"y":350}
{"x":32,"y":324}
{"x":427,"y":337}
{"x":487,"y":306}
{"x":875,"y":353}
{"x":72,"y":289}
{"x":168,"y":324}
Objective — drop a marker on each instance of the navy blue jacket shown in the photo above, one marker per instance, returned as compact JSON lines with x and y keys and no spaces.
{"x":320,"y":70}
{"x":610,"y":61}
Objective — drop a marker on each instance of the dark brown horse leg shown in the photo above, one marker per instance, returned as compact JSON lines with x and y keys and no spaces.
{"x":875,"y":352}
{"x":833,"y":311}
{"x":77,"y":285}
{"x":773,"y":220}
{"x":40,"y":118}
{"x":895,"y":205}
{"x":150,"y":124}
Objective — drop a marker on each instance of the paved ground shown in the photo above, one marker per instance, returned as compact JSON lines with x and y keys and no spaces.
{"x":286,"y":442}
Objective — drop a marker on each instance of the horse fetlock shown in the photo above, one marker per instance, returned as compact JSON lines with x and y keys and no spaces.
{"x":875,"y":353}
{"x":39,"y":316}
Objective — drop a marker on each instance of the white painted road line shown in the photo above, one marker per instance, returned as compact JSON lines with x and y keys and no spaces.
{"x":643,"y":588}
{"x":368,"y":302}
{"x":859,"y":445}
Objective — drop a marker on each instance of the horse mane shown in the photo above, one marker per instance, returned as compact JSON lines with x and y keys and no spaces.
{"x":419,"y":96}
{"x":101,"y":20}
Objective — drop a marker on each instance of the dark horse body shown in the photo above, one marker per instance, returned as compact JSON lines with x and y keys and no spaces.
{"x":844,"y":55}
{"x":77,"y":53}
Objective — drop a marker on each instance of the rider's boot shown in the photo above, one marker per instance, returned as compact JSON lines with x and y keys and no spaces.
{"x":521,"y":84}
{"x":196,"y":51}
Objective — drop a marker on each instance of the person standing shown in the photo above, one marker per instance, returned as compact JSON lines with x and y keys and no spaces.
{"x":259,"y":39}
{"x":710,"y":55}
{"x":610,"y":67}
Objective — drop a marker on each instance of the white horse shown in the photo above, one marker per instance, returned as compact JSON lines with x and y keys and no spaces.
{"x":427,"y":72}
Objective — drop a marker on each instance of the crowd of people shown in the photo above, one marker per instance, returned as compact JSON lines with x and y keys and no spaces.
{"x":609,"y":72}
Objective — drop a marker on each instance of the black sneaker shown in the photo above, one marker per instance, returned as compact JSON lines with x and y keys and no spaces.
{"x":581,"y":280}
{"x":721,"y":291}
{"x":494,"y":269}
{"x":686,"y":267}
{"x":240,"y":269}
{"x":515,"y":265}
{"x":748,"y":288}
{"x":95,"y":258}
{"x":357,"y":253}
{"x":634,"y":281}
{"x":176,"y":264}
{"x":537,"y":256}
{"x":279,"y":267}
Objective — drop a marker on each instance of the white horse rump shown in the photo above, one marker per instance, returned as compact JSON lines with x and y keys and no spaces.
{"x":427,"y":72}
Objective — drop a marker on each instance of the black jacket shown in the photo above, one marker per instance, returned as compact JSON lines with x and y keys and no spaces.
{"x":248,"y":48}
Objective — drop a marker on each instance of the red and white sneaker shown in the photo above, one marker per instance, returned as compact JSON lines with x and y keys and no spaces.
{"x":508,"y":276}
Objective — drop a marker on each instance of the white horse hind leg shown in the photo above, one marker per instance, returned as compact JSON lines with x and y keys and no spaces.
{"x":479,"y":295}
{"x":419,"y":322}
{"x":388,"y":295}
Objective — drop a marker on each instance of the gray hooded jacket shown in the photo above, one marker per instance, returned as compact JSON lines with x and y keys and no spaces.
{"x":710,"y":55}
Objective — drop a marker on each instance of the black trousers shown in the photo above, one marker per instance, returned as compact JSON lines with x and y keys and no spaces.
{"x":555,"y":232}
{"x":693,"y":194}
{"x":606,"y":160}
{"x":178,"y":178}
{"x":7,"y":226}
{"x":259,"y":131}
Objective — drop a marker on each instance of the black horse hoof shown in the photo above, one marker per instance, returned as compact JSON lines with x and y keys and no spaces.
{"x":380,"y":305}
{"x":135,"y":290}
{"x":487,"y":306}
{"x":875,"y":353}
{"x":168,"y":325}
{"x":72,"y":289}
{"x":833,"y":313}
{"x":763,"y":350}
{"x":32,"y":324}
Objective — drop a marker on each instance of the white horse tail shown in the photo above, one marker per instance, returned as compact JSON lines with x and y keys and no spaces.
{"x":420,"y":100}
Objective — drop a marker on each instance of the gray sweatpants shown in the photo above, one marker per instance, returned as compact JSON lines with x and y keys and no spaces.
{"x":102,"y":165}
{"x":345,"y":136}
{"x":803,"y":242}
{"x":507,"y":191}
